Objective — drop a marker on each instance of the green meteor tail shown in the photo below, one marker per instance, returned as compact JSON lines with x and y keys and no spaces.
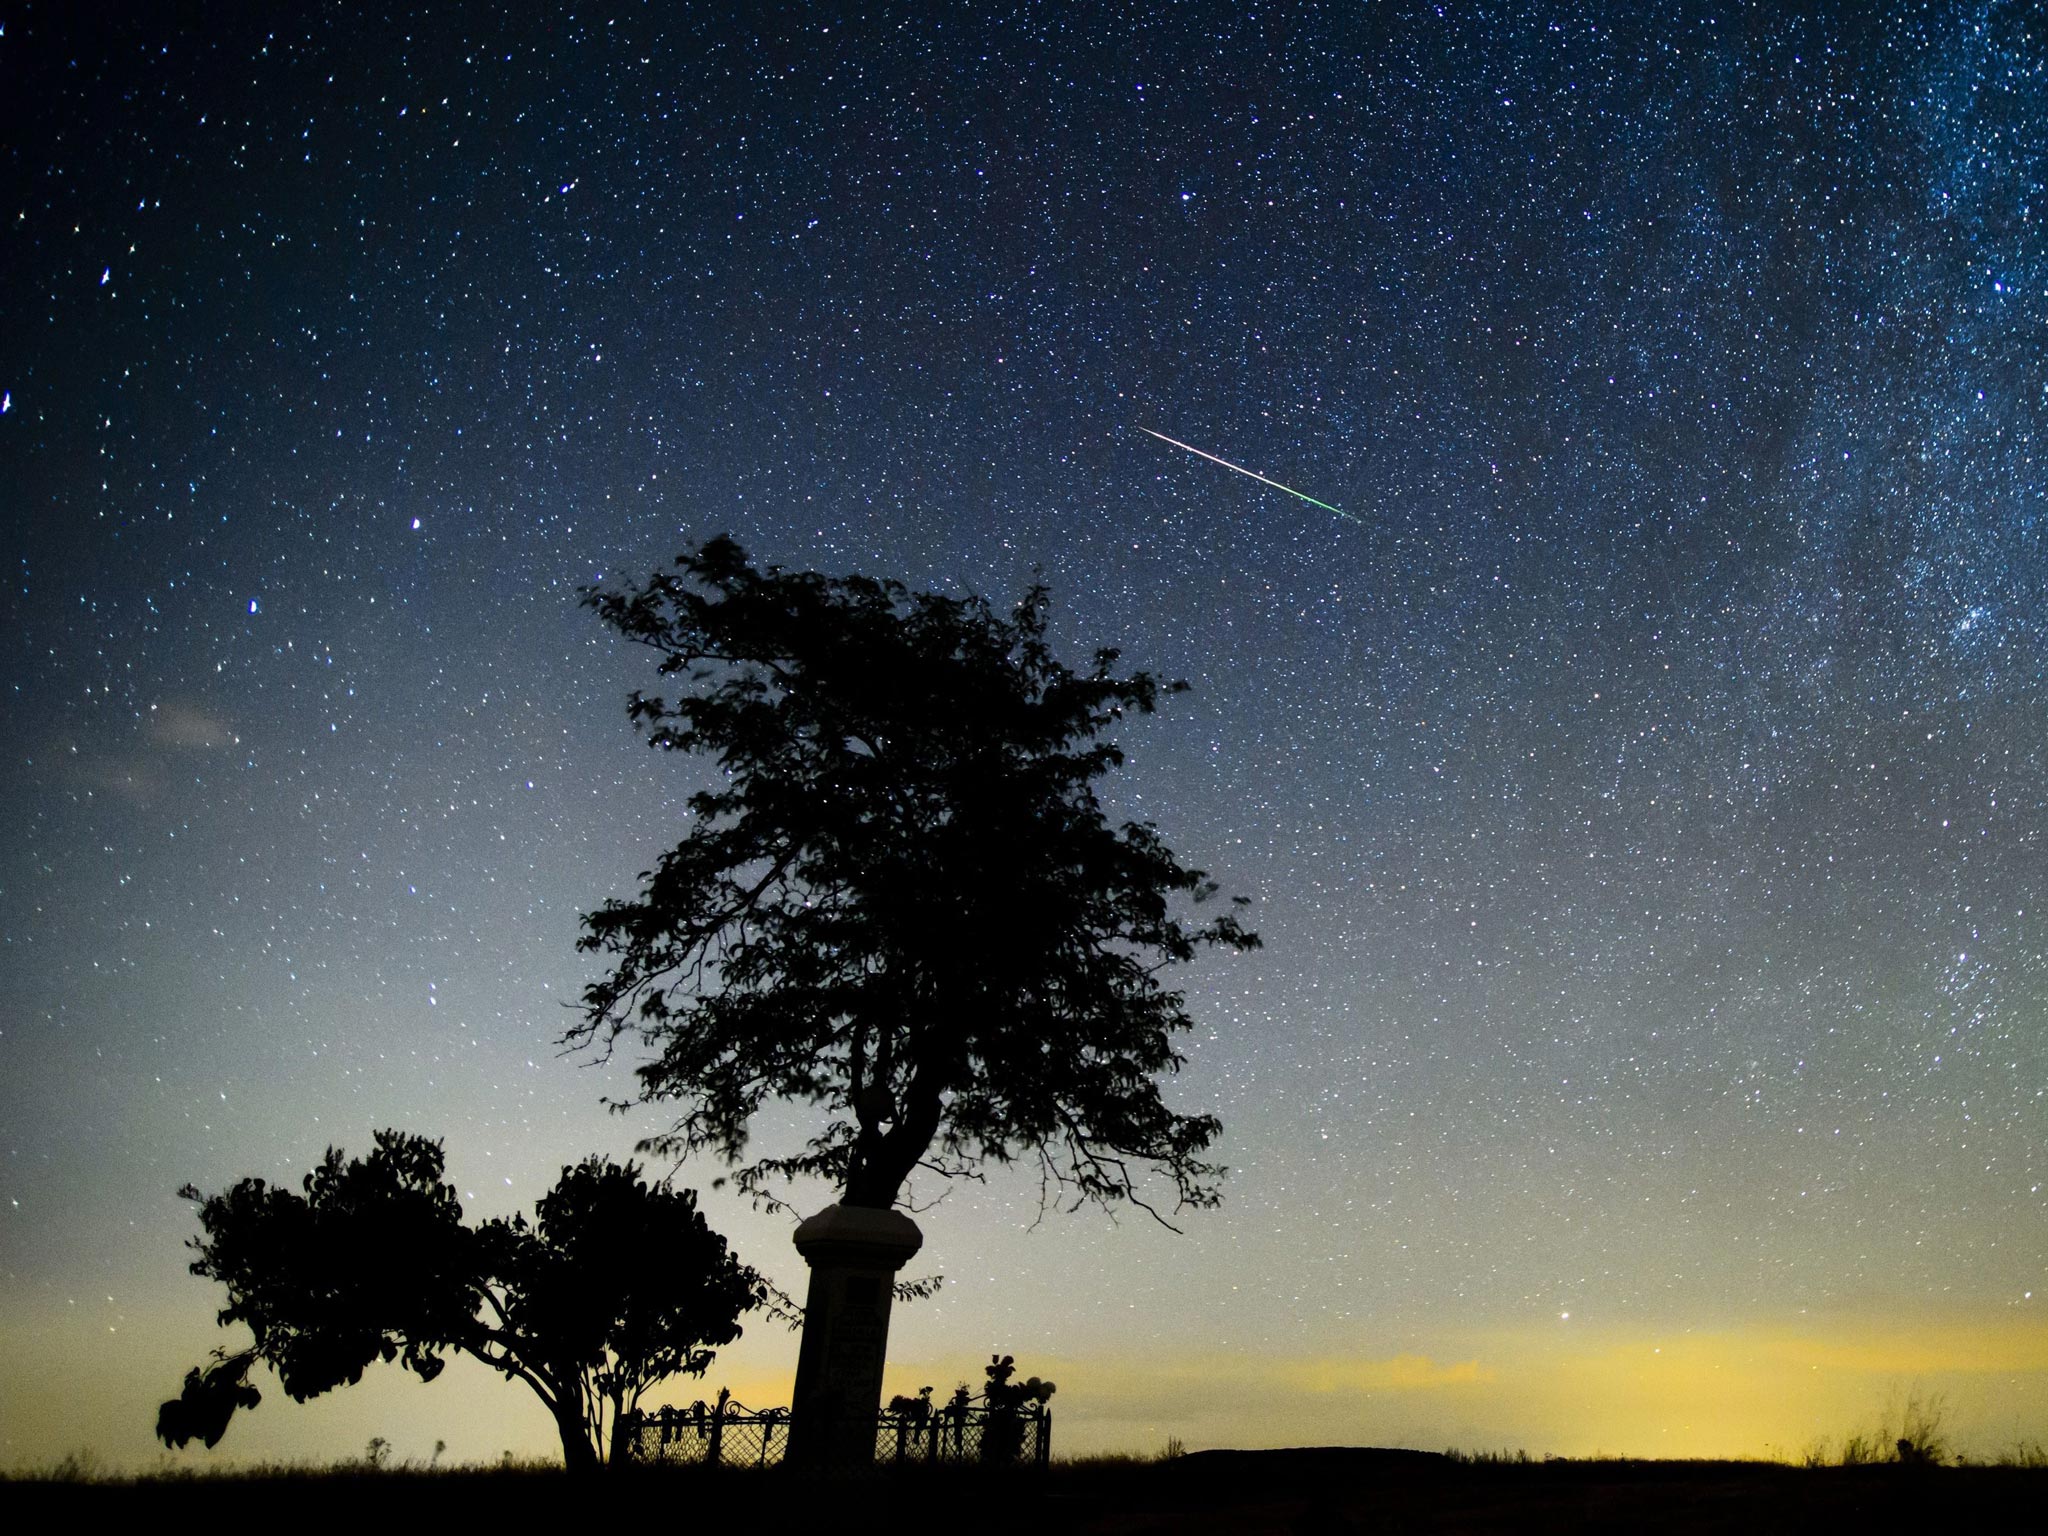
{"x":1290,"y":490}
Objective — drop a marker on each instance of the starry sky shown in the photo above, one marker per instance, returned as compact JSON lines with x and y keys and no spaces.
{"x":1642,"y":788}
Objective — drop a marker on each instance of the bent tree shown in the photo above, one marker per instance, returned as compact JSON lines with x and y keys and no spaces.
{"x":616,"y":1284}
{"x":900,"y":900}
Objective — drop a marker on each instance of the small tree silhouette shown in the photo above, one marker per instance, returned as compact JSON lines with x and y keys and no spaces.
{"x":1003,"y":1435}
{"x":615,"y":1285}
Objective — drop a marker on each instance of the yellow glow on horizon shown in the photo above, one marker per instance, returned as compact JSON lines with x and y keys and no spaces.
{"x":1401,"y":1373}
{"x":1571,"y":1389}
{"x":1758,"y":1390}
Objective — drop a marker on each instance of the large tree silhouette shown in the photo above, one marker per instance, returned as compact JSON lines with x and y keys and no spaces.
{"x":615,"y":1285}
{"x":899,"y":900}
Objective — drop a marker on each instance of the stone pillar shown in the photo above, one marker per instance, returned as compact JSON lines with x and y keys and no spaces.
{"x":854,"y":1253}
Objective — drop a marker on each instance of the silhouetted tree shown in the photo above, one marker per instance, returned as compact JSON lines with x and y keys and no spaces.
{"x":900,"y":900}
{"x":615,"y":1285}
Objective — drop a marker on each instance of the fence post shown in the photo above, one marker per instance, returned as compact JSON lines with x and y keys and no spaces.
{"x":716,"y":1456}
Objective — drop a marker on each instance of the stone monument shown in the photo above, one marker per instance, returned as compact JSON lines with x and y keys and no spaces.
{"x":854,"y":1253}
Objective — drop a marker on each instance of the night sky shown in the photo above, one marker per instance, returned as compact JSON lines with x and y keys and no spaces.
{"x":1643,"y":788}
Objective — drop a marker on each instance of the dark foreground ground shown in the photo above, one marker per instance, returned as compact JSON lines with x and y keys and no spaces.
{"x":1212,"y":1491}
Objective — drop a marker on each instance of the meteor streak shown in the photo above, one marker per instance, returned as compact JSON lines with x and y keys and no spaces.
{"x":1290,"y":490}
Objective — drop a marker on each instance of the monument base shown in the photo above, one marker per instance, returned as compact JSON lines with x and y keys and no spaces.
{"x":854,"y":1253}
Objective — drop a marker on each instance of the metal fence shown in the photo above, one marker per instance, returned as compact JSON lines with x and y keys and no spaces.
{"x":977,"y":1434}
{"x":723,"y":1434}
{"x":729,"y":1434}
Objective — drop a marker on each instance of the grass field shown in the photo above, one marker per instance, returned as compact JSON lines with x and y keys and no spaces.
{"x":1322,"y":1489}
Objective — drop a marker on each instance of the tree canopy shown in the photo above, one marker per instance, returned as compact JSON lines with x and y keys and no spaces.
{"x":615,"y":1285}
{"x":900,"y":899}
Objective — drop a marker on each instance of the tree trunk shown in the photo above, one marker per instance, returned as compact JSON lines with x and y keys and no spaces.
{"x":578,"y":1455}
{"x":882,"y":1163}
{"x":621,"y":1450}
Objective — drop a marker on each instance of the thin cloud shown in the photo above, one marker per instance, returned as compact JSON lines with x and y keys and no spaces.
{"x":186,"y":727}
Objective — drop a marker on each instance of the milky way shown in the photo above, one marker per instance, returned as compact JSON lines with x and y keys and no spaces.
{"x":1644,"y":800}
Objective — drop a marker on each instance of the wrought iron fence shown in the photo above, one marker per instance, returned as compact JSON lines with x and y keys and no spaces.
{"x":967,"y":1433}
{"x":722,"y":1434}
{"x":729,"y":1434}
